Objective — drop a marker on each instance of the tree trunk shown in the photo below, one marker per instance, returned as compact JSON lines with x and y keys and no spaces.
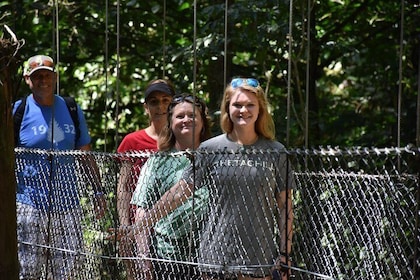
{"x":9,"y":265}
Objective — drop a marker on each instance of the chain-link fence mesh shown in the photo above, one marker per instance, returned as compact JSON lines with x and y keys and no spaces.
{"x":356,"y":214}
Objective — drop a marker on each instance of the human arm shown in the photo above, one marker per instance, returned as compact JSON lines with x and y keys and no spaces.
{"x":168,"y":202}
{"x":85,"y":148}
{"x":124,"y":194}
{"x":123,"y":205}
{"x":143,"y":242}
{"x":91,"y":171}
{"x":88,"y":163}
{"x":286,"y":216}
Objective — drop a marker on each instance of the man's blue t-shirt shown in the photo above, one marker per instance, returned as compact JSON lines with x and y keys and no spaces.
{"x":44,"y":182}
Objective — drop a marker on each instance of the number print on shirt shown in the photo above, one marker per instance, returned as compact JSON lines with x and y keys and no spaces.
{"x":69,"y":128}
{"x":39,"y":130}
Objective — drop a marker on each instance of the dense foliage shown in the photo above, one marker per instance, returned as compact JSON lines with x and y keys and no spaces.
{"x":349,"y":72}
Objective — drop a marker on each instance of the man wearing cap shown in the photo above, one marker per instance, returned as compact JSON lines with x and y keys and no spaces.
{"x":157,"y":97}
{"x":48,"y":212}
{"x":47,"y":113}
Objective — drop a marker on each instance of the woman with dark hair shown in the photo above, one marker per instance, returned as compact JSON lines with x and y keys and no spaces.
{"x":157,"y":97}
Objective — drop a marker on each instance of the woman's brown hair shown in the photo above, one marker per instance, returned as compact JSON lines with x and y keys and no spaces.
{"x":167,"y":138}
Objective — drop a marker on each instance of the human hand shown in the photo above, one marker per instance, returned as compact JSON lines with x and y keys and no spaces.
{"x":100,"y":205}
{"x":125,"y":247}
{"x":122,"y":233}
{"x":143,"y":240}
{"x":281,"y":269}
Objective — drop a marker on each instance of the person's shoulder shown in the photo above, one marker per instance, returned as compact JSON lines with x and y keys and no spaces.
{"x":68,"y":102}
{"x":135,"y":134}
{"x":220,"y":143}
{"x":66,"y":99}
{"x":137,"y":140}
{"x":216,"y":140}
{"x":25,"y":101}
{"x":16,"y":104}
{"x":272,"y":144}
{"x":59,"y":98}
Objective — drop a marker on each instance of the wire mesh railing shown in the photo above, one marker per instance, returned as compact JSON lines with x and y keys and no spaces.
{"x":356,"y":214}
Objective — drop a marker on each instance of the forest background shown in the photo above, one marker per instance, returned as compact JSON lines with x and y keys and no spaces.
{"x":353,"y":72}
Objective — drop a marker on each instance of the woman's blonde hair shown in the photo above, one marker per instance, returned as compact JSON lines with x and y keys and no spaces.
{"x":264,"y":126}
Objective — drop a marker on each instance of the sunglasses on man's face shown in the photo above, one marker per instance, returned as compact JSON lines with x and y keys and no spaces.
{"x":41,"y":74}
{"x":237,"y":82}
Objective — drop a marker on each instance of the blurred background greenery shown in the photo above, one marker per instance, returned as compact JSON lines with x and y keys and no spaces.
{"x":348,"y":72}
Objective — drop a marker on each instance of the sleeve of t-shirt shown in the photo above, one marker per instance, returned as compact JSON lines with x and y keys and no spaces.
{"x":84,"y":138}
{"x":285,"y":170}
{"x":125,"y":145}
{"x":143,"y":195}
{"x":190,"y":176}
{"x":15,"y":106}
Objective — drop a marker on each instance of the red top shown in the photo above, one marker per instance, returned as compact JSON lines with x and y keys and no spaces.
{"x":136,"y":141}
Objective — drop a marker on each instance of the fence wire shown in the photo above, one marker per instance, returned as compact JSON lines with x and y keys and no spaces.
{"x":356,"y":214}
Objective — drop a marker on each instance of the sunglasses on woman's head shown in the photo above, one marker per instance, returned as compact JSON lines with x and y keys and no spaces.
{"x":189,"y":98}
{"x":237,"y":82}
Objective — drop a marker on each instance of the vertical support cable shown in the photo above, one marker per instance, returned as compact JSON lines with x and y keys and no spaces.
{"x":225,"y":44}
{"x":57,"y":47}
{"x":400,"y":80}
{"x":308,"y":60}
{"x":164,"y":40}
{"x":117,"y":82}
{"x":191,"y":234}
{"x":400,"y":74}
{"x":289,"y":74}
{"x":417,"y":227}
{"x":418,"y":99}
{"x":106,"y":72}
{"x":289,"y":70}
{"x":194,"y":49}
{"x":117,"y":107}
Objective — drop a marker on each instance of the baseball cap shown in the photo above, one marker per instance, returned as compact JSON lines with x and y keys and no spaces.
{"x":39,"y":62}
{"x":158,"y":87}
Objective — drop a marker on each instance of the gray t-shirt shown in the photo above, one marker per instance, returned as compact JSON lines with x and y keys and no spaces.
{"x":241,"y":232}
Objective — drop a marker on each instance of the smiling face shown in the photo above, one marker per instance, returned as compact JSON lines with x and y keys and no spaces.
{"x":243,"y":108}
{"x":41,"y":83}
{"x":186,"y":124}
